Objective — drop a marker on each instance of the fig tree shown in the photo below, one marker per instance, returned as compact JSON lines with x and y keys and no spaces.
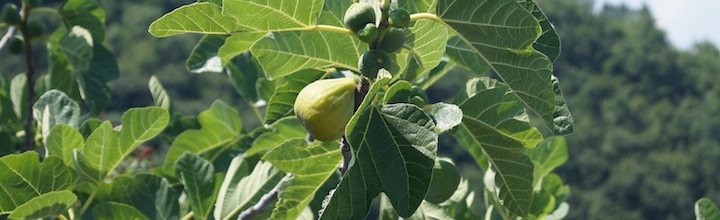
{"x":445,"y":180}
{"x":368,"y":34}
{"x":399,"y":18}
{"x":324,"y":107}
{"x":372,"y":61}
{"x":393,"y":40}
{"x":10,"y":14}
{"x":358,"y":15}
{"x":16,"y":45}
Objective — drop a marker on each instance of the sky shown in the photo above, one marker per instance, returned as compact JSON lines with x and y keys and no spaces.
{"x":685,"y":22}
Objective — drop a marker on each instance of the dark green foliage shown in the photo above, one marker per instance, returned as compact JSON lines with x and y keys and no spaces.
{"x":16,"y":45}
{"x":399,"y":18}
{"x":648,"y":113}
{"x":10,"y":14}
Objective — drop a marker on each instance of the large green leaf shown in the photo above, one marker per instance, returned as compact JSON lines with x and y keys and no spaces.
{"x":465,"y":55}
{"x":284,"y":129}
{"x":115,"y":210}
{"x":53,"y":108}
{"x":45,"y":205}
{"x":201,"y":17}
{"x":23,"y":177}
{"x":93,"y":83}
{"x":198,"y":177}
{"x":273,"y":15}
{"x":502,"y":33}
{"x":396,"y":146}
{"x":220,"y":123}
{"x":60,"y":72}
{"x":77,"y":44}
{"x":282,"y":101}
{"x":549,"y":42}
{"x":204,"y":56}
{"x":311,"y":165}
{"x":149,"y":194}
{"x":62,"y":140}
{"x":495,"y":125}
{"x":240,"y":190}
{"x":283,"y":53}
{"x":85,"y":19}
{"x":705,"y":209}
{"x":105,"y":147}
{"x":426,"y":42}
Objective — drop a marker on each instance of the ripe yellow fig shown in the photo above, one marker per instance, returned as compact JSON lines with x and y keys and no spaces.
{"x":325,"y":106}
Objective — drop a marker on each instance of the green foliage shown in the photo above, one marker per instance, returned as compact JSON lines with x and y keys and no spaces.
{"x":706,"y":209}
{"x":253,"y":159}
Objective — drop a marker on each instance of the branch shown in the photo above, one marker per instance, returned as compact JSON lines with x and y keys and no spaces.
{"x":7,"y":36}
{"x":264,"y":201}
{"x":29,"y":135}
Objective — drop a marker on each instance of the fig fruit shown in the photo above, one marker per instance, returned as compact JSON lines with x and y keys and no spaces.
{"x":393,"y":40}
{"x":372,"y":61}
{"x":368,"y":34}
{"x":10,"y":14}
{"x":324,"y":107}
{"x":16,"y":45}
{"x":445,"y":180}
{"x":36,"y":28}
{"x":358,"y":15}
{"x":399,"y":18}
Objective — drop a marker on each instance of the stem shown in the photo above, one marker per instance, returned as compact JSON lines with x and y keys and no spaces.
{"x":87,"y":202}
{"x":257,"y":112}
{"x":29,"y":135}
{"x":188,"y":216}
{"x":425,"y":15}
{"x":265,"y":200}
{"x":331,"y":28}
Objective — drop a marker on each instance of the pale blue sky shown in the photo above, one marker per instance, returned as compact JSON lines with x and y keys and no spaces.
{"x":684,"y":21}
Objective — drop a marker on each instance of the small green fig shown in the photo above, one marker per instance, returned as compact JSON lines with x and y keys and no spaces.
{"x":16,"y":45}
{"x":358,"y":15}
{"x":324,"y":107}
{"x":393,"y":40}
{"x":372,"y":61}
{"x":399,"y":18}
{"x":10,"y":14}
{"x":445,"y":180}
{"x":36,"y":28}
{"x":368,"y":34}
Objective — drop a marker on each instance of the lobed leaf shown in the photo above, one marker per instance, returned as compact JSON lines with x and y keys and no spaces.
{"x":23,"y":177}
{"x":548,"y":155}
{"x":245,"y":71}
{"x":495,"y":126}
{"x":197,"y":176}
{"x":45,"y":205}
{"x":311,"y":166}
{"x":549,"y":42}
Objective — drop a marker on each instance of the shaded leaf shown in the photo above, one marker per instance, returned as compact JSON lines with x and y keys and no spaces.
{"x":45,"y":205}
{"x":549,"y":154}
{"x":495,"y":125}
{"x":85,"y":19}
{"x":244,"y":71}
{"x":446,"y":116}
{"x":284,"y":129}
{"x":311,"y":165}
{"x":204,"y":56}
{"x":561,"y":118}
{"x":62,"y":140}
{"x":159,"y":94}
{"x":502,"y":33}
{"x":220,"y":125}
{"x":395,"y":149}
{"x":151,"y":195}
{"x":197,"y":175}
{"x":77,"y":44}
{"x":549,"y":42}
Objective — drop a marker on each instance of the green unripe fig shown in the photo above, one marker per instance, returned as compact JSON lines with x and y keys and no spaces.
{"x":372,"y":61}
{"x":393,"y":40}
{"x":445,"y":180}
{"x":36,"y":28}
{"x":368,"y":34}
{"x":324,"y":107}
{"x":16,"y":45}
{"x":10,"y":14}
{"x":399,"y":18}
{"x":358,"y":15}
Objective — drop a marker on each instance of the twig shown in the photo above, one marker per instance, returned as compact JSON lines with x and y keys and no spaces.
{"x":29,"y":136}
{"x":265,"y":200}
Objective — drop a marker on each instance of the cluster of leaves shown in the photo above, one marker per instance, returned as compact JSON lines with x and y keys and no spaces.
{"x":270,"y":50}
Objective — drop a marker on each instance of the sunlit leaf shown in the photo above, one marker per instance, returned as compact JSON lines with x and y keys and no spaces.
{"x":705,"y":209}
{"x":62,"y":140}
{"x":160,"y":96}
{"x":242,"y":189}
{"x":273,"y":15}
{"x":311,"y":165}
{"x":23,"y":177}
{"x":53,"y":108}
{"x":45,"y":205}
